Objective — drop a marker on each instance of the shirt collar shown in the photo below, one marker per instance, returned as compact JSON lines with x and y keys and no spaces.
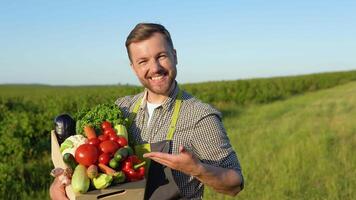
{"x":167,"y":103}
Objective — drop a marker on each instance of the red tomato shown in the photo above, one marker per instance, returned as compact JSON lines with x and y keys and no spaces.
{"x":103,"y":138}
{"x":122,"y":141}
{"x":86,"y":154}
{"x":108,"y":146}
{"x":113,"y":137}
{"x":109,"y":131}
{"x":94,"y":141}
{"x":104,"y":158}
{"x":106,"y":125}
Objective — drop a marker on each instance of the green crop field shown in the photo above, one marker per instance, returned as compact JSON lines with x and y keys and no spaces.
{"x":294,"y":135}
{"x":300,"y":148}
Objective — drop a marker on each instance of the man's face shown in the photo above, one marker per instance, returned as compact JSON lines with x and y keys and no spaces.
{"x":154,"y":63}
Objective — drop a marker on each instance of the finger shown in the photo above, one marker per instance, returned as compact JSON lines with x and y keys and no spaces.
{"x":64,"y":180}
{"x":158,"y":155}
{"x":57,"y":183}
{"x":56,"y":172}
{"x":151,"y":154}
{"x":181,"y":149}
{"x":163,"y":162}
{"x":57,"y":190}
{"x":146,"y":155}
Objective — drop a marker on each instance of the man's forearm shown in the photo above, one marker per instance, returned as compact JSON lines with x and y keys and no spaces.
{"x":226,"y":181}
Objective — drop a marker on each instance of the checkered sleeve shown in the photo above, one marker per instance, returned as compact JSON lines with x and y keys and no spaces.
{"x":210,"y":142}
{"x":125,"y":104}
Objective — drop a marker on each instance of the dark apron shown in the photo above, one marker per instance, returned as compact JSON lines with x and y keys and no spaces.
{"x":160,"y":183}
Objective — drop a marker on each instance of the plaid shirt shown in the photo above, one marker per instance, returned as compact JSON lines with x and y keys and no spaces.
{"x":199,"y":129}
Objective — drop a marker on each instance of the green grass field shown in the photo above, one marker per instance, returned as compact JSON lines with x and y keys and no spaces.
{"x":294,"y":136}
{"x":300,"y":148}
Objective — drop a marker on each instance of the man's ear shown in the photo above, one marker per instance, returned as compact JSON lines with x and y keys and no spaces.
{"x":175,"y":56}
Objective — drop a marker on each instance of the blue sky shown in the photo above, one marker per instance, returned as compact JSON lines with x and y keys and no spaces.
{"x":82,"y":42}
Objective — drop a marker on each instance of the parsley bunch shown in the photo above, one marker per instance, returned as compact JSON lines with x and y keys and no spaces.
{"x":97,"y":115}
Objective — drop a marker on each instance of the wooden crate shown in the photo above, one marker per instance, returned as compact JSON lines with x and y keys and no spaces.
{"x":131,"y":190}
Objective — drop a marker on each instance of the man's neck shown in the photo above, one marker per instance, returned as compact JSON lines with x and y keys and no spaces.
{"x":159,"y":98}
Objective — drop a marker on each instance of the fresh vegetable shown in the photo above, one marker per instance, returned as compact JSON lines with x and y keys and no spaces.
{"x":109,"y":132}
{"x":131,"y":174}
{"x":121,"y":141}
{"x":129,"y":150}
{"x":139,"y":165}
{"x":71,"y":144}
{"x":114,"y":164}
{"x":94,"y":141}
{"x":89,"y":132}
{"x":121,"y":154}
{"x":67,"y":144}
{"x":134,"y":159}
{"x":121,"y":130}
{"x":86,"y":154}
{"x":106,"y":169}
{"x":141,"y":171}
{"x":102,"y":181}
{"x":113,"y":137}
{"x":69,"y":160}
{"x":104,"y":158}
{"x":132,"y":167}
{"x":64,"y":127}
{"x":103,"y":137}
{"x":118,"y":177}
{"x":92,"y":171}
{"x":105,"y":125}
{"x":97,"y":115}
{"x":108,"y":146}
{"x":80,"y":180}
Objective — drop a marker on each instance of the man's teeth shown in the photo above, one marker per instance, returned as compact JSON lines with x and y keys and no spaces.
{"x":157,"y":78}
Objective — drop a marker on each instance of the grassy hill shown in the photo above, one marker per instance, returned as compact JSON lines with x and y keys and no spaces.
{"x":300,"y":148}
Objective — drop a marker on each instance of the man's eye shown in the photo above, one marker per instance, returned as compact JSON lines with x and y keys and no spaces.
{"x":162,"y":57}
{"x":142,"y":62}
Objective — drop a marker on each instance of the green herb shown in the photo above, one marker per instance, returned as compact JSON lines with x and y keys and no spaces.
{"x":95,"y":116}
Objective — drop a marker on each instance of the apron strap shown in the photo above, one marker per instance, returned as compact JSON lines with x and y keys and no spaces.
{"x":172,"y":126}
{"x":134,"y":112}
{"x":177,"y":105}
{"x":132,"y":117}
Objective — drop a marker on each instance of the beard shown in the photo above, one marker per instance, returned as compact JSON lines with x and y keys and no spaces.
{"x":161,"y":87}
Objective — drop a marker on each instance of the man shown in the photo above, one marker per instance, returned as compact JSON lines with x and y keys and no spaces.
{"x":183,"y":138}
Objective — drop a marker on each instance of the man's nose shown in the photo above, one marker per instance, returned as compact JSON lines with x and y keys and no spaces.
{"x":155,"y":66}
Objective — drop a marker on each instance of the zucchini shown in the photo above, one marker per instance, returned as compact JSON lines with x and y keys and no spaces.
{"x":80,"y":179}
{"x":69,"y":160}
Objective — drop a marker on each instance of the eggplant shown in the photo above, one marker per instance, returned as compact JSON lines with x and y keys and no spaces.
{"x":64,"y":127}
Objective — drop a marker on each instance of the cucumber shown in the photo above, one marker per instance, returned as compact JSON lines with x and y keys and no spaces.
{"x":129,"y":150}
{"x":80,"y":179}
{"x":69,"y":160}
{"x":121,"y":154}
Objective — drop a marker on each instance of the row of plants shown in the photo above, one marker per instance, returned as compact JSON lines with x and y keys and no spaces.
{"x":265,"y":90}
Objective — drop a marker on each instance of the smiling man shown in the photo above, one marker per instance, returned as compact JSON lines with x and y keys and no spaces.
{"x":154,"y":61}
{"x":183,"y":138}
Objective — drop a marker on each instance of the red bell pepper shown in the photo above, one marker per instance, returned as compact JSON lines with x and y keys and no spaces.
{"x":133,"y":168}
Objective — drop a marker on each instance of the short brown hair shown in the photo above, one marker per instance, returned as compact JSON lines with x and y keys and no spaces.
{"x":143,"y":31}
